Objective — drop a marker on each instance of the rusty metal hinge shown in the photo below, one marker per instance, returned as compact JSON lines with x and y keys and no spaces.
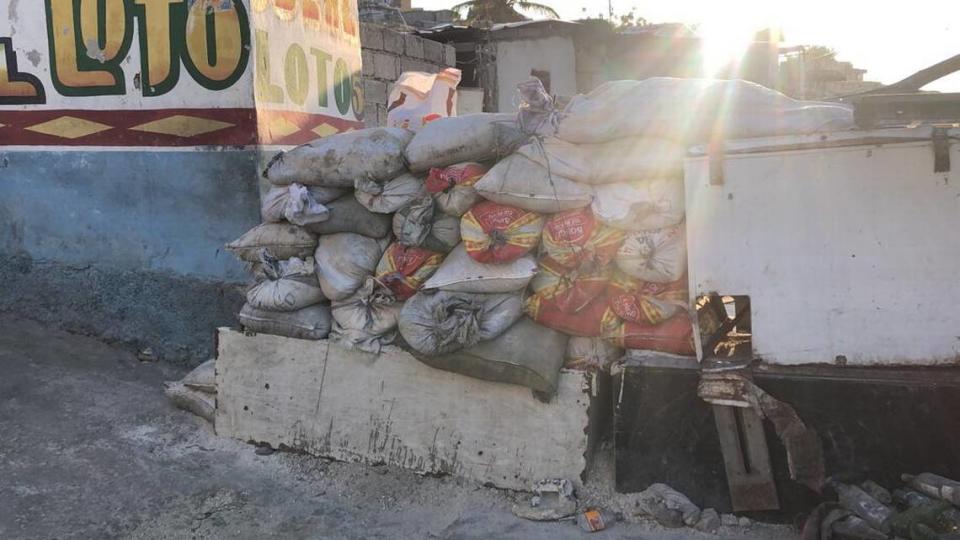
{"x":941,"y":150}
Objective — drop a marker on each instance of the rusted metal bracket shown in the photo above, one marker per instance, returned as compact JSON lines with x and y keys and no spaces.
{"x":941,"y":150}
{"x":716,"y":156}
{"x":743,"y":442}
{"x":739,"y":407}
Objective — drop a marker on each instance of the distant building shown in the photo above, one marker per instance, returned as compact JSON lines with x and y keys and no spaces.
{"x":576,"y":57}
{"x":813,"y":72}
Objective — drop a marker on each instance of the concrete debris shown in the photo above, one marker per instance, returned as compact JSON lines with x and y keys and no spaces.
{"x":743,"y":521}
{"x":199,"y":403}
{"x":709,"y":521}
{"x":729,"y":520}
{"x":202,"y":378}
{"x":552,"y":500}
{"x":264,"y":449}
{"x":664,"y":503}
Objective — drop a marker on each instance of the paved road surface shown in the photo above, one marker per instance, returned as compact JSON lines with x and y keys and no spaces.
{"x":90,"y":448}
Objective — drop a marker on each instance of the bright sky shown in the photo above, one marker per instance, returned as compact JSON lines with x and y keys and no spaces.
{"x":889,"y":39}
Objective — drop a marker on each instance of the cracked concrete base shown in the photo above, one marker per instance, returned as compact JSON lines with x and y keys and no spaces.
{"x":91,"y":448}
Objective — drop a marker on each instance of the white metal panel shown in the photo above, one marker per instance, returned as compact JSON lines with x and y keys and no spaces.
{"x":851,"y":251}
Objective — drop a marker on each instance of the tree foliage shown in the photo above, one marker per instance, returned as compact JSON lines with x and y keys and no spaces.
{"x":489,"y":12}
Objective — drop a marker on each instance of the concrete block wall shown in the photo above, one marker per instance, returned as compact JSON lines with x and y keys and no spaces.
{"x":387,"y":54}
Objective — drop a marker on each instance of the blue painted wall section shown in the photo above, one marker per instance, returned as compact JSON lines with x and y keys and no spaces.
{"x":127,"y":245}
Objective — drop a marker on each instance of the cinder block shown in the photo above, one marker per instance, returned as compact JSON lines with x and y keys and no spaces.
{"x":433,"y":51}
{"x":409,"y":64}
{"x":367,"y":58}
{"x":370,"y":118}
{"x":413,"y":46}
{"x":381,"y":115}
{"x":385,"y":66}
{"x":374,"y":91}
{"x":371,"y":36}
{"x":449,"y":55}
{"x":392,"y":41}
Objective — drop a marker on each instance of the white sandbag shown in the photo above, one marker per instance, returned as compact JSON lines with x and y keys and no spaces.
{"x":657,"y":256}
{"x":451,"y":140}
{"x":526,"y":354}
{"x":311,"y":322}
{"x":347,"y":215}
{"x":591,"y":354}
{"x":282,"y":240}
{"x":620,"y":160}
{"x":441,"y":322}
{"x":338,"y":160}
{"x":690,"y":110}
{"x":345,"y":261}
{"x":202,"y":378}
{"x":460,"y":273}
{"x":641,"y":205}
{"x":420,"y":224}
{"x":292,"y":285}
{"x":276,"y":203}
{"x":517,"y":181}
{"x":389,"y":197}
{"x":366,"y":320}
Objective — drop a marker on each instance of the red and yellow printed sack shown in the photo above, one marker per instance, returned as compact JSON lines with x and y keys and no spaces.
{"x":497,"y":233}
{"x":589,"y":321}
{"x":645,"y":302}
{"x":404,"y":269}
{"x":674,"y":336}
{"x":462,"y":174}
{"x":576,"y":238}
{"x":569,"y":290}
{"x":452,"y":187}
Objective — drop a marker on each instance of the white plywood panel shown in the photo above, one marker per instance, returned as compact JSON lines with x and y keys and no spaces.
{"x":850,"y":251}
{"x":391,"y":408}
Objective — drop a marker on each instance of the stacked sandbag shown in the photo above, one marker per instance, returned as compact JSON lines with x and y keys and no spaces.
{"x":327,"y":222}
{"x":441,"y":240}
{"x":569,"y":292}
{"x":452,"y":187}
{"x":611,"y":270}
{"x":288,"y":300}
{"x":367,"y":319}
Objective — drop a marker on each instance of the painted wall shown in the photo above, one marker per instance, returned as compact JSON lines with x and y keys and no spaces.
{"x":130,"y":136}
{"x":516,"y":59}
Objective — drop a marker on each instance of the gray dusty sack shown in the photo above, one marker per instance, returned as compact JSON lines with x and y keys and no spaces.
{"x":347,"y":215}
{"x":527,"y":354}
{"x":473,"y":137}
{"x":311,"y":322}
{"x":442,"y":322}
{"x":339,"y":160}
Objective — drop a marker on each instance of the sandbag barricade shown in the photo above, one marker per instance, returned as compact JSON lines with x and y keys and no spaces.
{"x":575,"y":218}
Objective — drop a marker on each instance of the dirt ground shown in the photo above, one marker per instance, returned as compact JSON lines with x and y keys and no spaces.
{"x":91,"y":448}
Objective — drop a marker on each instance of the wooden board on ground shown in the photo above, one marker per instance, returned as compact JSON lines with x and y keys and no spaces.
{"x":325,"y":400}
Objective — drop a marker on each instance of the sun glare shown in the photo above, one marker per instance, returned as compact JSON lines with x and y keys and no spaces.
{"x":724,"y":44}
